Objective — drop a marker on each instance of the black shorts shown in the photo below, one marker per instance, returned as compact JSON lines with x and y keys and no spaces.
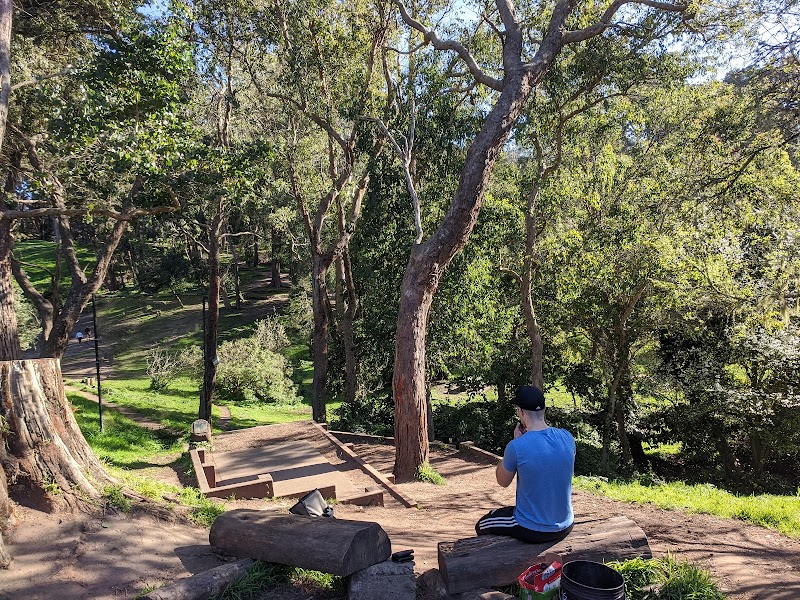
{"x":501,"y":521}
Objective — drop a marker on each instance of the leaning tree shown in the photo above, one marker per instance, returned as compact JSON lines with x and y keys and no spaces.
{"x":528,"y":42}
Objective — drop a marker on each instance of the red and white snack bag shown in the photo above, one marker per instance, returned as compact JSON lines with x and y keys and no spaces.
{"x":541,"y":578}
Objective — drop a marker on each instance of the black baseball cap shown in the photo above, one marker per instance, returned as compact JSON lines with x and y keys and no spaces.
{"x":529,"y":397}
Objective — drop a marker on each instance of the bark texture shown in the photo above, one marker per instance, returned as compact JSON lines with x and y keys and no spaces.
{"x":9,"y":338}
{"x":48,"y":462}
{"x":212,"y":317}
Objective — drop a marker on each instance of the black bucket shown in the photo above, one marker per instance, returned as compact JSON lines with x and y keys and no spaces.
{"x":587,"y":580}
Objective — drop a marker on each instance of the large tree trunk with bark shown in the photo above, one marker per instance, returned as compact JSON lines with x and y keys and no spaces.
{"x":9,"y":336}
{"x":319,"y":337}
{"x":348,"y":335}
{"x":48,"y":458}
{"x":212,"y":317}
{"x":426,"y":265}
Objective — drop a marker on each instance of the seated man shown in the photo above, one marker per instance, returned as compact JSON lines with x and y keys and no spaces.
{"x":543,"y":458}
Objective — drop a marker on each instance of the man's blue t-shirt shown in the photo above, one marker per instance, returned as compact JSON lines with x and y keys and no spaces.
{"x":544,"y":461}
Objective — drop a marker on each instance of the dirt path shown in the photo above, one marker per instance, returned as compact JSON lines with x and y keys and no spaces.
{"x":747,"y":561}
{"x":87,"y":560}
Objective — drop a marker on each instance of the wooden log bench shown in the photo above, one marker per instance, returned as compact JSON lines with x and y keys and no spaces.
{"x":336,"y":546}
{"x":490,"y":561}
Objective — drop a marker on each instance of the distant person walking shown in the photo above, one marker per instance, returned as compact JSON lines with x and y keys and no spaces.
{"x":79,"y":336}
{"x":543,"y":459}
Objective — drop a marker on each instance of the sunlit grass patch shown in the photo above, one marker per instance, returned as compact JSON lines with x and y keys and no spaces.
{"x":768,"y":510}
{"x":123,"y":443}
{"x":263,"y":576}
{"x":665,"y":579}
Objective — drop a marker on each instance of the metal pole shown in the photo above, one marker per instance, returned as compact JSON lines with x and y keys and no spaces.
{"x":97,"y":363}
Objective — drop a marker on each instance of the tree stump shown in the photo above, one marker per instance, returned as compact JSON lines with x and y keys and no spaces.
{"x":336,"y":546}
{"x":48,"y":460}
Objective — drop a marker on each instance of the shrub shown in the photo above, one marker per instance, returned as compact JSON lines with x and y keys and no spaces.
{"x":371,"y":414}
{"x":270,"y":335}
{"x":28,"y":325}
{"x":163,"y":367}
{"x":249,"y":372}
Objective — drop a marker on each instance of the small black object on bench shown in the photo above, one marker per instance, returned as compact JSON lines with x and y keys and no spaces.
{"x":490,"y":561}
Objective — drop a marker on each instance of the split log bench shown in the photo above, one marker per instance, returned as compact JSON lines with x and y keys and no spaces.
{"x":336,"y":546}
{"x":491,"y":561}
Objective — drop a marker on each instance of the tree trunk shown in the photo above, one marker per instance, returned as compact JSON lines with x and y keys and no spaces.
{"x":9,"y":336}
{"x":275,"y":262}
{"x":256,"y":258}
{"x":49,"y":461}
{"x":348,"y":335}
{"x":80,"y":293}
{"x":212,"y":317}
{"x":528,"y":309}
{"x":236,"y":286}
{"x":319,"y":337}
{"x":427,"y":263}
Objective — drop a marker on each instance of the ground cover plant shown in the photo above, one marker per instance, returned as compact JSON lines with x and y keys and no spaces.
{"x":781,"y":513}
{"x":264,"y":576}
{"x":665,"y":579}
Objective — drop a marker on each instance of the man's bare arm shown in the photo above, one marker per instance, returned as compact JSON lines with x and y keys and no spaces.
{"x":504,"y":476}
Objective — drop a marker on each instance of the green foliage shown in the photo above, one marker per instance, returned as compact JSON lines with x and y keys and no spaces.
{"x":776,"y":512}
{"x":298,"y":314}
{"x":249,"y":372}
{"x":488,"y":423}
{"x":204,"y":511}
{"x":270,"y":335}
{"x":263,"y":576}
{"x":114,"y":497}
{"x":367,"y":414}
{"x":428,"y":474}
{"x":28,"y":326}
{"x":665,"y":579}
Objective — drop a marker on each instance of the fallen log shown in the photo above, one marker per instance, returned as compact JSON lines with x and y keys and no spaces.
{"x":336,"y":546}
{"x":490,"y":561}
{"x":203,"y":585}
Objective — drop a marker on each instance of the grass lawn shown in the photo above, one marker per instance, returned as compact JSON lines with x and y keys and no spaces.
{"x":177,"y":406}
{"x":776,"y":512}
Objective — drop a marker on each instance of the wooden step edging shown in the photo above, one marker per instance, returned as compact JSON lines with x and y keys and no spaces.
{"x":368,"y":469}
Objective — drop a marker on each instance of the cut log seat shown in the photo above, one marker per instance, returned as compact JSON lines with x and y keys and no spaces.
{"x":490,"y":561}
{"x":336,"y":546}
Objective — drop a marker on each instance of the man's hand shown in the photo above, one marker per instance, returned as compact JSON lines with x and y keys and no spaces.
{"x":519,"y":430}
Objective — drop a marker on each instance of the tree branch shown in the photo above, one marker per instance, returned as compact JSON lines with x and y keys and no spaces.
{"x":37,"y":80}
{"x":604,"y":23}
{"x":432,"y":38}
